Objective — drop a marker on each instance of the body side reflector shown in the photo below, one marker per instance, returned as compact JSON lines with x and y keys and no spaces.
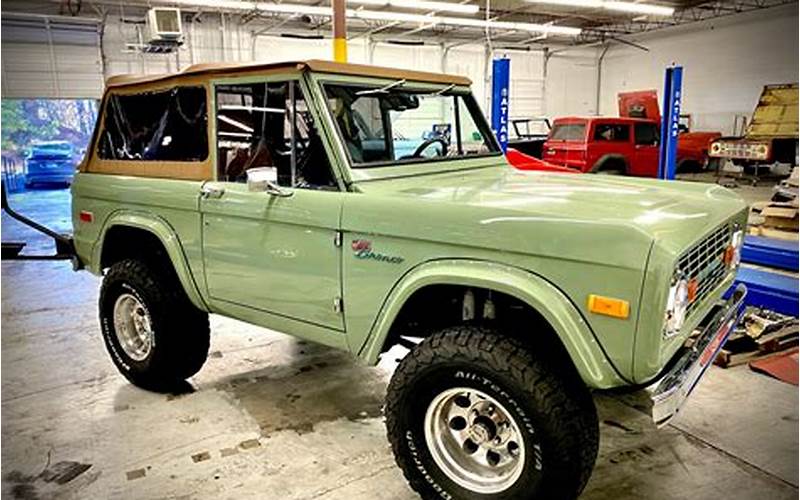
{"x":609,"y":306}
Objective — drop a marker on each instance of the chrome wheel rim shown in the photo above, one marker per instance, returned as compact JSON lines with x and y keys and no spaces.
{"x":133,"y":327}
{"x":474,"y":440}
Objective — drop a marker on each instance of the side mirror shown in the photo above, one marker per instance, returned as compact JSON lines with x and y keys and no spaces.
{"x":265,"y":180}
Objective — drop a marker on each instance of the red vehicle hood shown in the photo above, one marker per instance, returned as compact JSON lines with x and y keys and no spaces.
{"x":639,"y":104}
{"x":526,"y":162}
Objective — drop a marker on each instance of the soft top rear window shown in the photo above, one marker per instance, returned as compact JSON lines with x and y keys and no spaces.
{"x":165,"y":125}
{"x":568,"y":132}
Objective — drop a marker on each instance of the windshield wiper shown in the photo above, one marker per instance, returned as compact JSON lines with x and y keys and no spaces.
{"x":381,"y":90}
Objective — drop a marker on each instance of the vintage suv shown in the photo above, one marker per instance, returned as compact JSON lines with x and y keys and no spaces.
{"x":277,"y":194}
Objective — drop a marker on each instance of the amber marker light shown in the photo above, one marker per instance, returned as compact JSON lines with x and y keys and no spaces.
{"x":609,"y":306}
{"x":692,"y":290}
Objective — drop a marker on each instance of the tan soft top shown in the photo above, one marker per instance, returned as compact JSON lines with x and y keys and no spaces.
{"x":311,"y":65}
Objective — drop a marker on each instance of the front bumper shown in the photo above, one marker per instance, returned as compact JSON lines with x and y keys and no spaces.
{"x":668,"y":394}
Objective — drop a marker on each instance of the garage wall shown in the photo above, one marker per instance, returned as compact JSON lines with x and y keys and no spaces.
{"x":571,"y":86}
{"x":205,"y":41}
{"x":726,"y":63}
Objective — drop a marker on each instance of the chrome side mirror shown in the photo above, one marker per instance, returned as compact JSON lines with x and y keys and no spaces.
{"x":265,"y":179}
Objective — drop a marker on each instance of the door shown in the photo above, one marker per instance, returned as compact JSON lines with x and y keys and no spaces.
{"x":645,"y":161}
{"x":566,"y":144}
{"x":275,"y":254}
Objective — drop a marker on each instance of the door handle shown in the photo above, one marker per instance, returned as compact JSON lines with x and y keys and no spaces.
{"x":212,"y":192}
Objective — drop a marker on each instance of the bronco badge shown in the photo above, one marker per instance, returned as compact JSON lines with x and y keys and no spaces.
{"x":363,"y":250}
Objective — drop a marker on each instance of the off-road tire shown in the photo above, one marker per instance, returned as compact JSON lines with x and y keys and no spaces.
{"x":556,"y":409}
{"x":180,"y":331}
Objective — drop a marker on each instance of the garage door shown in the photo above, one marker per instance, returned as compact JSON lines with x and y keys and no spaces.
{"x":50,"y":57}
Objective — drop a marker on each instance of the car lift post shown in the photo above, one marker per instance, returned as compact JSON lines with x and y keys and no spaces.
{"x":670,"y":122}
{"x":500,"y":97}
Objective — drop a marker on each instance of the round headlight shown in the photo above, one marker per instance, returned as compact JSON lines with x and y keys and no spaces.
{"x":677,"y":302}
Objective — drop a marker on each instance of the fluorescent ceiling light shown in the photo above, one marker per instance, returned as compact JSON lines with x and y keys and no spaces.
{"x":421,"y":5}
{"x":637,"y":8}
{"x":379,"y":15}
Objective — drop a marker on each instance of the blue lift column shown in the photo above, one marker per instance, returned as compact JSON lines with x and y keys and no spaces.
{"x":669,"y":122}
{"x":500,"y":81}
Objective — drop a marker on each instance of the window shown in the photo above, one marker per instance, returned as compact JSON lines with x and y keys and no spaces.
{"x":270,"y":125}
{"x":167,"y":125}
{"x":568,"y":132}
{"x":612,"y":132}
{"x":392,"y":125}
{"x":645,"y":134}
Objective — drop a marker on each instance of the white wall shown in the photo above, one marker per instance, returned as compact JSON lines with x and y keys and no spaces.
{"x":204,"y":42}
{"x":571,"y":86}
{"x":726,"y":63}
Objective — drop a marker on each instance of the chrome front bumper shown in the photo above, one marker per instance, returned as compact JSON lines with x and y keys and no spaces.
{"x":668,"y":394}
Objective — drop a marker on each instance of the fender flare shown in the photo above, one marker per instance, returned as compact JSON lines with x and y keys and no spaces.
{"x":168,"y":238}
{"x":575,"y":334}
{"x":610,"y":157}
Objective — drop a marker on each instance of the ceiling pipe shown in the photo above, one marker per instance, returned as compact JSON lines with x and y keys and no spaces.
{"x":599,"y":80}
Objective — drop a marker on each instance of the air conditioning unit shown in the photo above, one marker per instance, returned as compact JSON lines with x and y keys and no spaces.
{"x":164,"y":25}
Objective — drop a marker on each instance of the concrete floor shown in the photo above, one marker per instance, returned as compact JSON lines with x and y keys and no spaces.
{"x":273,"y":417}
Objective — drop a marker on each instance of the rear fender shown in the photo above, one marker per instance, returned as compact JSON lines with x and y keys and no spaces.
{"x":168,"y":238}
{"x":575,"y":334}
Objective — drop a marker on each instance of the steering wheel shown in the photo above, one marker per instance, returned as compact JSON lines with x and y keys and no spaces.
{"x":425,"y":145}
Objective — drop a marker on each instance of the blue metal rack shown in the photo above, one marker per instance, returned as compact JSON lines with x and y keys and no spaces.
{"x":770,"y":252}
{"x":774,"y":291}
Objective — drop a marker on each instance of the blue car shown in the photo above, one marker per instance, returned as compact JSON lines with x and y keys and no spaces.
{"x":50,"y":163}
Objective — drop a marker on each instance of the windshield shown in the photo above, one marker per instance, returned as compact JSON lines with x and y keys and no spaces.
{"x":392,"y":125}
{"x":568,"y":132}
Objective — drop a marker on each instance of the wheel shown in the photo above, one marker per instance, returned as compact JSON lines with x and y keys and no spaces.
{"x":154,"y":334}
{"x":471,"y":414}
{"x":610,"y":171}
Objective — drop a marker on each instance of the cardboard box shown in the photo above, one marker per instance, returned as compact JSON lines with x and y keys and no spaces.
{"x":781,"y":216}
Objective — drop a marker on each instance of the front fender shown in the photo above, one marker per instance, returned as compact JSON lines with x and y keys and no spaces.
{"x":169,"y":239}
{"x":579,"y":340}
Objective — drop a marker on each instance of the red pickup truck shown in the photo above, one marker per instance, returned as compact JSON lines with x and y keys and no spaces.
{"x":627,"y":145}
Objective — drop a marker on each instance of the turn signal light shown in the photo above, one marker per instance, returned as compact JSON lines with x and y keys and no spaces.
{"x":727,"y":257}
{"x":692,"y":290}
{"x":85,"y":216}
{"x":609,"y":306}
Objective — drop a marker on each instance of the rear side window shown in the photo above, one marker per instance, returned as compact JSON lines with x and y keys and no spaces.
{"x":612,"y":132}
{"x":568,"y":132}
{"x":645,"y":134}
{"x":167,"y":125}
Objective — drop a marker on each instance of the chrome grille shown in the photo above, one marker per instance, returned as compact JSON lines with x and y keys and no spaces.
{"x":704,"y":262}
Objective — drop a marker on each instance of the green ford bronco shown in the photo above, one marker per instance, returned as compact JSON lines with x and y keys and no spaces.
{"x":365,"y":208}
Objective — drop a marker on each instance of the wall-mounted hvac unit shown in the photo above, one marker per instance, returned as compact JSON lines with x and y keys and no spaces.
{"x":164,"y":26}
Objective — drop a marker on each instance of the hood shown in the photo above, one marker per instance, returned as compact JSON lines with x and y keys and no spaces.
{"x":570,"y":216}
{"x":639,"y":104}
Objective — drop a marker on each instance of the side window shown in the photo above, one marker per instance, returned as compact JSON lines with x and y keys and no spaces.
{"x":167,"y":125}
{"x":645,"y":134}
{"x":611,"y":132}
{"x":269,"y":125}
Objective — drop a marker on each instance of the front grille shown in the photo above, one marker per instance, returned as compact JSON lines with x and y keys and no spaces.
{"x":704,"y":262}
